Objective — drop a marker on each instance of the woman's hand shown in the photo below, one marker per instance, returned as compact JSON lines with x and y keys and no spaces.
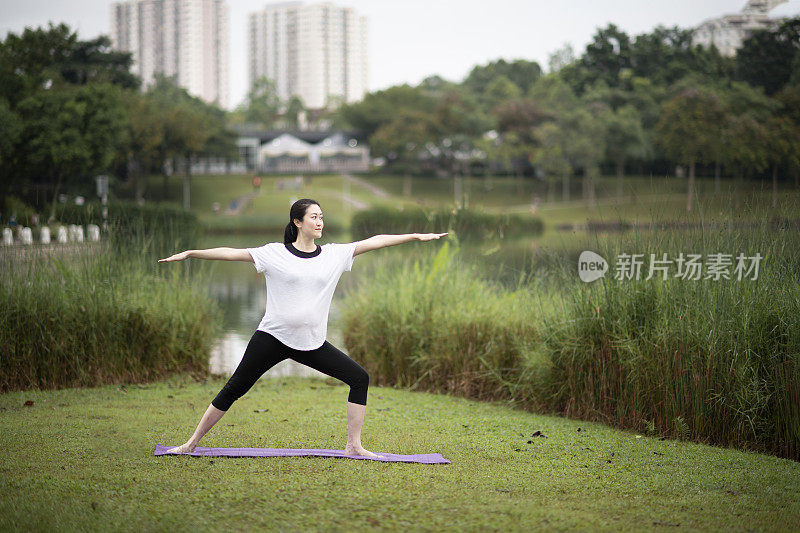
{"x":177,"y":257}
{"x":429,"y":236}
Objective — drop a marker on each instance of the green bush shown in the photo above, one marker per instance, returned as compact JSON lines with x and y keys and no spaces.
{"x":466,"y":223}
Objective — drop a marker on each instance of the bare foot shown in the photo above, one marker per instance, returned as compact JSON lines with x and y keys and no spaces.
{"x":183,"y":448}
{"x":359,"y":450}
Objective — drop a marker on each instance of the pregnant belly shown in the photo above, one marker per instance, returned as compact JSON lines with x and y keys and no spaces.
{"x":294,"y":319}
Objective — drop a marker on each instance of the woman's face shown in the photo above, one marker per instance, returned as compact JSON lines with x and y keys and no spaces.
{"x":312,"y":222}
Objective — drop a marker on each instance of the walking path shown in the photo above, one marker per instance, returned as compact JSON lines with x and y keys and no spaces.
{"x":357,"y":204}
{"x":374,"y":189}
{"x":240,"y":203}
{"x":243,"y":201}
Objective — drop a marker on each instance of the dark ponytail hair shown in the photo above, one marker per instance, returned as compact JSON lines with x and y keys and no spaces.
{"x":297,"y":211}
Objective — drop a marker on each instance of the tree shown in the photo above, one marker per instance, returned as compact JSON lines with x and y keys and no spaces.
{"x":789,"y":100}
{"x":667,"y":55}
{"x":403,"y":140}
{"x":551,"y":156}
{"x":516,"y":122}
{"x":745,"y":145}
{"x":70,"y":134}
{"x":499,"y":90}
{"x":560,"y":58}
{"x":520,"y":72}
{"x":145,"y":136}
{"x":689,"y":126}
{"x":294,"y":109}
{"x":783,"y":142}
{"x":458,"y":120}
{"x":262,"y":103}
{"x":625,"y":140}
{"x":608,"y":55}
{"x":556,"y":102}
{"x":586,"y":144}
{"x":766,"y":59}
{"x":10,"y":131}
{"x":381,"y":107}
{"x":48,"y":58}
{"x":62,"y":116}
{"x":191,"y":128}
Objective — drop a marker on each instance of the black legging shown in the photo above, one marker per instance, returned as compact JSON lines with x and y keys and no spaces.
{"x":265,"y":351}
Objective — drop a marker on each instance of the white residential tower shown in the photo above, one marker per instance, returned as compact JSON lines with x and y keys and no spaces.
{"x":185,"y":39}
{"x":317,"y":52}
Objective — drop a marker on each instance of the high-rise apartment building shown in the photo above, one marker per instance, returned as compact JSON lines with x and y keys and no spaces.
{"x":317,"y":52}
{"x":184,"y":39}
{"x":728,"y":32}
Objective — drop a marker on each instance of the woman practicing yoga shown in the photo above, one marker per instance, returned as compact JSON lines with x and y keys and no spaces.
{"x":301,"y":277}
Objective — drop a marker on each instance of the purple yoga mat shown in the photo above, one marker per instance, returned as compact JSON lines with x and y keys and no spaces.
{"x":426,"y":458}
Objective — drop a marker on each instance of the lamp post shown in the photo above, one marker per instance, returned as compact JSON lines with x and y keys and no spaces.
{"x":102,"y":192}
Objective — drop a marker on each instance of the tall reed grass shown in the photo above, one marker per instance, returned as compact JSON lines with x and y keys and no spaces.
{"x":710,"y":361}
{"x":88,"y":314}
{"x":435,"y":325}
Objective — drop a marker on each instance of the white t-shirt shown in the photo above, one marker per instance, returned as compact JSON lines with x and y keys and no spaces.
{"x":299,"y":290}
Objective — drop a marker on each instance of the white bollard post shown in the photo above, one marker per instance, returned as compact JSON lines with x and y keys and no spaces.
{"x":8,"y":237}
{"x":79,"y":233}
{"x":25,"y":236}
{"x":71,"y":231}
{"x":61,"y":235}
{"x":93,"y":232}
{"x":44,"y":235}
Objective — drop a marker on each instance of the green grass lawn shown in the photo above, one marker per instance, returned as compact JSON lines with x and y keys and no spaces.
{"x":270,"y":208}
{"x":644,"y":198}
{"x":82,"y":460}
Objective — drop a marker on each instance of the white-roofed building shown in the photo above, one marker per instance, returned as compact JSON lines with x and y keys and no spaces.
{"x":303,"y":151}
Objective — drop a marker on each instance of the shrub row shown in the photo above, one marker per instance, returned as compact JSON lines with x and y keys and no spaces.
{"x":466,"y":223}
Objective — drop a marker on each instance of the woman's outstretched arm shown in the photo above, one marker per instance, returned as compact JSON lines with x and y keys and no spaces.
{"x":381,"y":241}
{"x":223,"y":254}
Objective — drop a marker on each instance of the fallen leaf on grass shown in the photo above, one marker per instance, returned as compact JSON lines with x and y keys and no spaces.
{"x":29,"y":403}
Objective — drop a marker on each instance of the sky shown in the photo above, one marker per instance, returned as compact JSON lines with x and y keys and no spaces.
{"x":410,"y":40}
